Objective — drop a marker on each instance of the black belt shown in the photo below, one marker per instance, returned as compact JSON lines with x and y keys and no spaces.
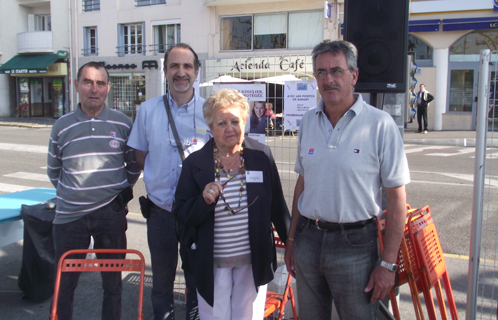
{"x":153,"y":205}
{"x":334,"y":226}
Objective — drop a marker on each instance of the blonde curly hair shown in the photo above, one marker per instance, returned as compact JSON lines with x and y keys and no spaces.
{"x":223,"y":99}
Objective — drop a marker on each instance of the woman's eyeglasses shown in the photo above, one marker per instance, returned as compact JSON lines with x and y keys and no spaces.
{"x":227,"y":206}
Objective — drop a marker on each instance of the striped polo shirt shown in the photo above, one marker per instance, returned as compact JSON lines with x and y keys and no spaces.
{"x":89,"y":162}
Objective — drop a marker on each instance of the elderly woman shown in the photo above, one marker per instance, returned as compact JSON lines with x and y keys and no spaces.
{"x":228,"y":196}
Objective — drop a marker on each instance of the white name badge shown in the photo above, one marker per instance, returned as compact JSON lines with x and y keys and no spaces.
{"x":200,"y":130}
{"x":254,"y":176}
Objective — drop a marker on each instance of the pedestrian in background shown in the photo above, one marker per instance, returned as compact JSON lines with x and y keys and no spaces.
{"x":423,"y":99}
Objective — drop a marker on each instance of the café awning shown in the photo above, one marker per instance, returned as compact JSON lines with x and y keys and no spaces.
{"x":28,"y":64}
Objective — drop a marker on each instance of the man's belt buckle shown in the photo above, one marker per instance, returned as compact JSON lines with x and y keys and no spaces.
{"x":317,"y":225}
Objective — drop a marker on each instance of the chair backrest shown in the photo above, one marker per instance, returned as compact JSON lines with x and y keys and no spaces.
{"x":100,"y":265}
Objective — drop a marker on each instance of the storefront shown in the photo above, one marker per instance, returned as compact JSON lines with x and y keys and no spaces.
{"x":40,"y":85}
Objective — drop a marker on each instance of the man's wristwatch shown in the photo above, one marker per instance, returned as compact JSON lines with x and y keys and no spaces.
{"x":389,"y":266}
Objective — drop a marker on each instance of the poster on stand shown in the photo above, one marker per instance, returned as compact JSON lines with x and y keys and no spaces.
{"x":299,"y":97}
{"x":253,"y":91}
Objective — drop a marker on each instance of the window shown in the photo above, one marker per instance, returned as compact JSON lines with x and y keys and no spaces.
{"x":90,"y":41}
{"x":468,"y":47}
{"x":165,"y":36}
{"x":236,"y":33}
{"x":139,"y":3}
{"x":91,"y":5}
{"x":43,"y":23}
{"x":423,"y":52}
{"x":131,"y":39}
{"x":270,"y":31}
{"x":305,"y":29}
{"x":293,"y":30}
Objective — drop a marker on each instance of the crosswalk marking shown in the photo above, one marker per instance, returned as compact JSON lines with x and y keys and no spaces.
{"x":459,"y":151}
{"x":28,"y":176}
{"x":23,"y":147}
{"x":6,"y":187}
{"x":413,"y":150}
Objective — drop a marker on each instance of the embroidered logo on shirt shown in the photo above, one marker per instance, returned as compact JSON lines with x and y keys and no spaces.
{"x":194,"y":142}
{"x":311,"y":150}
{"x":114,"y":144}
{"x":356,"y":150}
{"x":113,"y":134}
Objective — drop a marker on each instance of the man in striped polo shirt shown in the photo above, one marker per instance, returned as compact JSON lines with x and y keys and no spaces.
{"x":93,"y":170}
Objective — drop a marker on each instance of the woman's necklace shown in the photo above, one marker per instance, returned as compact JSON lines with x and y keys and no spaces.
{"x":219,"y":166}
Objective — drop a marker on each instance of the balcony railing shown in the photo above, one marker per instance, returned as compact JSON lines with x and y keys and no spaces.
{"x":34,"y":42}
{"x":132,"y":50}
{"x":159,"y":48}
{"x":141,"y":3}
{"x":90,"y":52}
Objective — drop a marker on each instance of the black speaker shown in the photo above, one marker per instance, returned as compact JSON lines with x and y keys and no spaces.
{"x":379,"y":30}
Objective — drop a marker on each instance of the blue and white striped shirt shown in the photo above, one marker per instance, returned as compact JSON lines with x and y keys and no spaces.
{"x":89,"y":162}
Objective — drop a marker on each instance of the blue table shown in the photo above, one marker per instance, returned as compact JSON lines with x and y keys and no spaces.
{"x":11,"y":225}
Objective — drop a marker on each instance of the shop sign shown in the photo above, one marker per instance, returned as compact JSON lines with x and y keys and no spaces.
{"x":284,"y":65}
{"x":57,"y":83}
{"x":24,"y":71}
{"x":57,"y":69}
{"x":62,"y":54}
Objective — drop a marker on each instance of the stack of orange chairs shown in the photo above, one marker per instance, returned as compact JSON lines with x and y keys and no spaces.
{"x":421,"y":264}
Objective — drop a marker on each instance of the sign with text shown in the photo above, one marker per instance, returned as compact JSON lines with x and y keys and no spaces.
{"x":299,"y":97}
{"x":253,"y":91}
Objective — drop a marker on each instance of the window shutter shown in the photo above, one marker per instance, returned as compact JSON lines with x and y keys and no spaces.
{"x":31,"y":22}
{"x":86,"y":41}
{"x":121,"y":51}
{"x":144,"y":47}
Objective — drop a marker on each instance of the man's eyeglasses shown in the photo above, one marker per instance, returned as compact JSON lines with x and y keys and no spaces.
{"x":227,"y":206}
{"x":334,"y":72}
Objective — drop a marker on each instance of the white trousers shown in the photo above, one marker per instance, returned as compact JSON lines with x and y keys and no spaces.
{"x":235,"y":296}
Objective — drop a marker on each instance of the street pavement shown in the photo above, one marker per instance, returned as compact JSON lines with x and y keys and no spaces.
{"x":89,"y":293}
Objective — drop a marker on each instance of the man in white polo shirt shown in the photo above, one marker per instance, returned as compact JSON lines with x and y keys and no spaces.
{"x":347,"y":150}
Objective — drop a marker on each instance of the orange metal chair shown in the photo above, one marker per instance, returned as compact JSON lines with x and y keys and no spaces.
{"x":98,"y":265}
{"x":407,"y":270}
{"x":276,"y":301}
{"x":431,"y":263}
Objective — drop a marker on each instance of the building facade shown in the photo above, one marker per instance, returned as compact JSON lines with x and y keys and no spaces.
{"x":34,"y":39}
{"x":252,"y":40}
{"x":447,"y":36}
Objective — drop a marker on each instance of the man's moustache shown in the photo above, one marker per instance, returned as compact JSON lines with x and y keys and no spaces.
{"x":330,"y":86}
{"x":181,"y":78}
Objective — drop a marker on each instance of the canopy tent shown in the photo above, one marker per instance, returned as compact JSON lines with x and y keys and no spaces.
{"x":278,"y":79}
{"x":222,"y":79}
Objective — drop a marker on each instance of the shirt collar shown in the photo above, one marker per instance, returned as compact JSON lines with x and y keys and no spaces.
{"x":173,"y":104}
{"x":356,"y":107}
{"x":81,"y":116}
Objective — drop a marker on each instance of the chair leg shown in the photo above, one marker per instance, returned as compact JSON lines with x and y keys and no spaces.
{"x":429,"y":303}
{"x":394,"y":304}
{"x":449,"y":296}
{"x":293,"y":303}
{"x":440,"y":300}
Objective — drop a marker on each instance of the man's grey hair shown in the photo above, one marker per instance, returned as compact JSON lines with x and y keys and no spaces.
{"x":335,"y":47}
